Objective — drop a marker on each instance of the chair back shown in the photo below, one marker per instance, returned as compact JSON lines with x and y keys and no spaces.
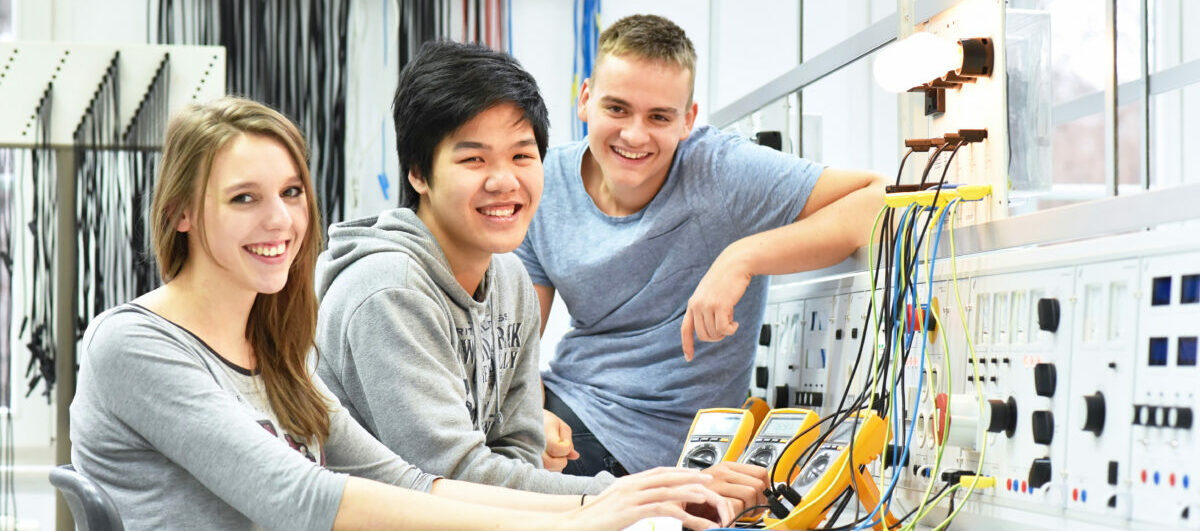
{"x":92,"y":508}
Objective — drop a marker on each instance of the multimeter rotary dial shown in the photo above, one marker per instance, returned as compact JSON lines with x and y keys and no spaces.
{"x":701,"y":457}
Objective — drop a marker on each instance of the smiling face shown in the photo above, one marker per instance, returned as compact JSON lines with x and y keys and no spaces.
{"x":255,"y":217}
{"x":637,"y":111}
{"x":487,"y":181}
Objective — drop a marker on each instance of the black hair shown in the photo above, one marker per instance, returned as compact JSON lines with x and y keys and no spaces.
{"x":445,"y":86}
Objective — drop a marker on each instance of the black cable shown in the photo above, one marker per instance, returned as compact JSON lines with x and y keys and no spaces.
{"x":842,"y":501}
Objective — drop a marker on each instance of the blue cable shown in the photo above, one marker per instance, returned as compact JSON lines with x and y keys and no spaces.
{"x":924,"y":343}
{"x":585,"y":25}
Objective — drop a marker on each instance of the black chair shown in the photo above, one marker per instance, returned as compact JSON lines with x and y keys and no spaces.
{"x":92,"y":508}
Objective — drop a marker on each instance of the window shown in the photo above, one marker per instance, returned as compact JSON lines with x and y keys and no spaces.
{"x":6,"y":20}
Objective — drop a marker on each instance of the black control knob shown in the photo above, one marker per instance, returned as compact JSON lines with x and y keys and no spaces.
{"x":1045,"y":379}
{"x":782,"y":394}
{"x":764,"y":335}
{"x":1094,"y":417}
{"x":1043,"y":427}
{"x":1039,"y":472}
{"x":762,"y":376}
{"x":1183,"y":418}
{"x":1004,"y":416}
{"x":701,"y":458}
{"x":1137,"y":415}
{"x":1049,"y":312}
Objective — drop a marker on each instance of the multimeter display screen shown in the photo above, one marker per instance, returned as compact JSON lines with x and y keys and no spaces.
{"x":717,"y":424}
{"x":841,"y":434}
{"x":783,"y":426}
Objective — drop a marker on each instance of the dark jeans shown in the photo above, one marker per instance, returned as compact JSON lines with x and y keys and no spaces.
{"x":593,"y":456}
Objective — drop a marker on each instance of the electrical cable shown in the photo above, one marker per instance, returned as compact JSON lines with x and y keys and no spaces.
{"x":901,"y":324}
{"x":952,"y":209}
{"x":586,"y":27}
{"x":902,"y":280}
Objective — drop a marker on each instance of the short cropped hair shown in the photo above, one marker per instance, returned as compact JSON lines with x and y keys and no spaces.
{"x":445,"y":86}
{"x":649,"y":37}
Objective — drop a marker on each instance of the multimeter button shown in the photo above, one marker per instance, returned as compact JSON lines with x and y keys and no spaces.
{"x":724,"y":439}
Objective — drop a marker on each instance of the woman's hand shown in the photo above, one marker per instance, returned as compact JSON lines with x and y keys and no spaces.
{"x":657,"y":492}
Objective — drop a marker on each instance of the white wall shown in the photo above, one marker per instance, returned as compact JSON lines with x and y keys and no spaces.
{"x":748,"y":49}
{"x":81,"y":20}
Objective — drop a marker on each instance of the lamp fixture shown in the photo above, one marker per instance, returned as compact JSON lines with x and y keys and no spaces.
{"x":924,"y":62}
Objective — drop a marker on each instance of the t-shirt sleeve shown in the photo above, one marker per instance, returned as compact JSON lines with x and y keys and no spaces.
{"x":529,"y":257}
{"x":762,"y":188}
{"x":149,"y":382}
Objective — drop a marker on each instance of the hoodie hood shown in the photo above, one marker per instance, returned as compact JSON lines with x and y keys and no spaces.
{"x":394,"y":231}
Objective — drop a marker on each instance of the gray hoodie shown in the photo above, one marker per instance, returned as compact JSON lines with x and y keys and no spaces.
{"x":447,"y":381}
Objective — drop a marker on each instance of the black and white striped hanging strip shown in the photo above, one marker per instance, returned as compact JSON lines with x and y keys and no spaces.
{"x":38,"y":326}
{"x":289,"y":54}
{"x":8,"y":489}
{"x":141,"y":141}
{"x":8,"y":170}
{"x":101,"y":273}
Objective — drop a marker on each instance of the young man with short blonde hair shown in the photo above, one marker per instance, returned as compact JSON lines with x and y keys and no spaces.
{"x":655,"y":235}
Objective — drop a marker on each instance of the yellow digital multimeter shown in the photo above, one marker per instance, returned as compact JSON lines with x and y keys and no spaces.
{"x":828,"y":473}
{"x":771,"y":443}
{"x":718,"y":434}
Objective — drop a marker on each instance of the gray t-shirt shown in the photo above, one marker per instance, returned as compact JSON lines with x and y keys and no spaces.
{"x":181,"y":438}
{"x":626,"y":282}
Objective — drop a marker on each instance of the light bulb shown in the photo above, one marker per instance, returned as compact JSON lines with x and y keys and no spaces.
{"x":916,"y":60}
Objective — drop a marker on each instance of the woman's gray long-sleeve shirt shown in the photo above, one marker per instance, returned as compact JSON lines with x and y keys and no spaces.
{"x":181,"y":438}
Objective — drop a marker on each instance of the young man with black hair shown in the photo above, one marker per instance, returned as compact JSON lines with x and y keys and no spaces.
{"x":428,"y":329}
{"x":656,"y":235}
{"x":426,"y":333}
